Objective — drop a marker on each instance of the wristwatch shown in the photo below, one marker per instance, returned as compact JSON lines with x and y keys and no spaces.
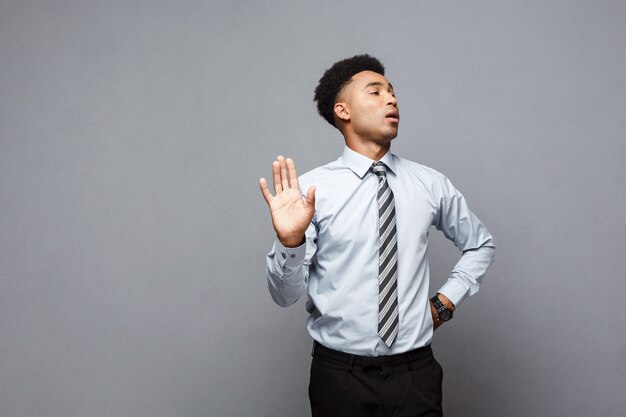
{"x":443,"y":313}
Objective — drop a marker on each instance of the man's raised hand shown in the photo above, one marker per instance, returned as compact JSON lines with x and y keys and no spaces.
{"x":291,"y":214}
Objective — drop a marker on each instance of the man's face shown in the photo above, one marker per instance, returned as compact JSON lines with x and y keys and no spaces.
{"x":372,"y":107}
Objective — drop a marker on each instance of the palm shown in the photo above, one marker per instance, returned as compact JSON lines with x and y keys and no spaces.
{"x":291,"y":214}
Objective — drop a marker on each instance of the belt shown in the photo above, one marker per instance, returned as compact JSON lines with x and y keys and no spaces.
{"x":367,"y":361}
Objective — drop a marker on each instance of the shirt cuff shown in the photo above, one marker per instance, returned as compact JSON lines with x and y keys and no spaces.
{"x":455,"y":291}
{"x":289,"y":257}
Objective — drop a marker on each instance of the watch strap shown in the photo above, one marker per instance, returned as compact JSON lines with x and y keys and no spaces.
{"x":443,"y":313}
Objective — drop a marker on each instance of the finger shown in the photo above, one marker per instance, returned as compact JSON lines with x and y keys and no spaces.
{"x":293,"y":175}
{"x":265,"y":190}
{"x":283,"y":173}
{"x":278,"y":187}
{"x":310,"y":196}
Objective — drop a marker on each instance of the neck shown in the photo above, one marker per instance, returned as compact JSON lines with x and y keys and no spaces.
{"x":372,"y":150}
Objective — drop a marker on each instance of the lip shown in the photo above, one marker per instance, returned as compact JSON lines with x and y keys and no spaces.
{"x":393,"y":115}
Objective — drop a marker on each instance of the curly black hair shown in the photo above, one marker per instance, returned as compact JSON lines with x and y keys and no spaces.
{"x":337,"y":77}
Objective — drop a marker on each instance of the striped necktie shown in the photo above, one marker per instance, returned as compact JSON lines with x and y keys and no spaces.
{"x":387,"y":259}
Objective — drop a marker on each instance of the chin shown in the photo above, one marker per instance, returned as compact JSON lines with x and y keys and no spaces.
{"x":391,"y":135}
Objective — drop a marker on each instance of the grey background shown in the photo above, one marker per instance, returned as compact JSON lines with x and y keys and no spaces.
{"x":133,"y":234}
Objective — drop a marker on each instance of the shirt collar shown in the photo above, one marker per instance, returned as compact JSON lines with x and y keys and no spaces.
{"x":360,"y":164}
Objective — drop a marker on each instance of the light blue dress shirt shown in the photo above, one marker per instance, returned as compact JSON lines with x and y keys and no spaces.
{"x":338,"y":263}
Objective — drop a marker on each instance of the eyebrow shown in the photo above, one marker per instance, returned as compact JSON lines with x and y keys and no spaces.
{"x":377,"y":84}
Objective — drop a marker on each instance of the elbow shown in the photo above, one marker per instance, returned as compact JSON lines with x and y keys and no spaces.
{"x":489,"y":243}
{"x":283,"y":301}
{"x":489,"y":250}
{"x":489,"y":247}
{"x":281,"y":295}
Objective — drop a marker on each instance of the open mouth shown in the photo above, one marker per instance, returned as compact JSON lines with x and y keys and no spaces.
{"x":393,"y":115}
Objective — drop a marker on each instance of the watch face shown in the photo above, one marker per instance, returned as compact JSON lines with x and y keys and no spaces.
{"x":445,"y":315}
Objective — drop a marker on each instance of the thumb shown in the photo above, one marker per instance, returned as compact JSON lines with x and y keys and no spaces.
{"x":310,"y":196}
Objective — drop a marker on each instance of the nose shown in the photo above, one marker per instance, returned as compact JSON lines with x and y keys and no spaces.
{"x":392,"y":100}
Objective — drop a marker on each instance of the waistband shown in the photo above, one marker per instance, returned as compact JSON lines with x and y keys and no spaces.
{"x":365,"y":361}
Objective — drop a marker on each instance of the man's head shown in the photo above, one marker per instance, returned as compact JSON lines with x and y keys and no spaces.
{"x":354,"y":96}
{"x":337,"y":77}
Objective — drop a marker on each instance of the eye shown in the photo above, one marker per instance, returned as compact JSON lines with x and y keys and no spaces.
{"x":375,"y":93}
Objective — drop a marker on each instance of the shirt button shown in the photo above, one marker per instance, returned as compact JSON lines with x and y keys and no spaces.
{"x":283,"y":255}
{"x":293,"y":255}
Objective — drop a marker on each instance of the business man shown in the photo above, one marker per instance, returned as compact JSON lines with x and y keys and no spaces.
{"x":353,"y":234}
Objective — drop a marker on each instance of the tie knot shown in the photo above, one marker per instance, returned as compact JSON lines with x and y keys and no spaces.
{"x":380,"y":169}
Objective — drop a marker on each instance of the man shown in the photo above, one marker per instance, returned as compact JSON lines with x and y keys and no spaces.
{"x":353,"y":234}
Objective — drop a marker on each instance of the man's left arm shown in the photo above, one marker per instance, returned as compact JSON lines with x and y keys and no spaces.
{"x":457,"y":222}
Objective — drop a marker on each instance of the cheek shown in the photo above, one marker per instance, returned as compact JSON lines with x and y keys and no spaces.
{"x":367,"y":117}
{"x":365,"y":122}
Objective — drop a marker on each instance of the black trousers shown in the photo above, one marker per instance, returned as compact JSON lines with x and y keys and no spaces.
{"x":344,"y":385}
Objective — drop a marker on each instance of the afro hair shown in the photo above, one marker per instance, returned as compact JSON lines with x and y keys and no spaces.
{"x":337,"y":77}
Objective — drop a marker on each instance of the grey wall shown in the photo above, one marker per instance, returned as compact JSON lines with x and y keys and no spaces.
{"x":133,"y":234}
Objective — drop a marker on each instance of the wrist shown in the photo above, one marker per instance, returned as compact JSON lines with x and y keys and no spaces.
{"x":446,"y":301}
{"x":291,"y":241}
{"x":443,"y":313}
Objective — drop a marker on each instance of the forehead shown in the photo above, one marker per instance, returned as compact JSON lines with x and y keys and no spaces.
{"x":364,"y":78}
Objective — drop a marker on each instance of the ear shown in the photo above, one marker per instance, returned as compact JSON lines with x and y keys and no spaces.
{"x":341,"y":111}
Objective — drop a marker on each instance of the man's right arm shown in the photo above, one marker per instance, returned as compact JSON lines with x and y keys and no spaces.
{"x":287,"y":270}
